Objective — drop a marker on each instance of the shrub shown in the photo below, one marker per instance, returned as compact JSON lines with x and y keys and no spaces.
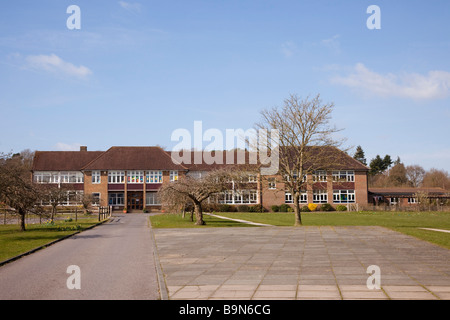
{"x":304,"y":209}
{"x":341,"y":207}
{"x":284,"y":207}
{"x":312,"y":206}
{"x":326,"y":207}
{"x":290,"y":209}
{"x":275,"y":208}
{"x":256,"y":208}
{"x":243,"y":208}
{"x":224,"y":208}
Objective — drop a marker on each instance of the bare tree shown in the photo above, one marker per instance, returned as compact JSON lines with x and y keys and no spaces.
{"x":55,"y":195}
{"x":17,"y":191}
{"x":193,"y":190}
{"x":415,"y":174}
{"x":305,"y":141}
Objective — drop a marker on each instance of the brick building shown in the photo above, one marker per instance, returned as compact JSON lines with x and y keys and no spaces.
{"x":129,"y":178}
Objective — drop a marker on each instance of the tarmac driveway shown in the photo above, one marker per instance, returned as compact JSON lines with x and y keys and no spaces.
{"x":115,"y":261}
{"x":300,"y":263}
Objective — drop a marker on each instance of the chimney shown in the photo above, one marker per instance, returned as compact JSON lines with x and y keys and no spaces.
{"x":83,"y":148}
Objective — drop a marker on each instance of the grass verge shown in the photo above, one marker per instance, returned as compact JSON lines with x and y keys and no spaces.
{"x":14,"y":242}
{"x":406,"y":222}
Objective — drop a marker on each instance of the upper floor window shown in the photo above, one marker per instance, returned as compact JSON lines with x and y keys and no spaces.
{"x":135,"y":176}
{"x":155,"y":176}
{"x":272,"y":183}
{"x":344,"y":176}
{"x":96,"y":177}
{"x":320,"y":176}
{"x":116,"y":177}
{"x":173,"y":175}
{"x":58,"y":177}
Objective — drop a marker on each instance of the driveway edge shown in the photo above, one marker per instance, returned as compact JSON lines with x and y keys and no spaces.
{"x":159,"y":274}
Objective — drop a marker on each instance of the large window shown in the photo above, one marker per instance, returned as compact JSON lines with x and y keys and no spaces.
{"x":116,"y":177}
{"x":344,"y":176}
{"x":72,"y":198}
{"x":135,"y":176}
{"x":288,"y":198}
{"x":154,"y":177}
{"x":319,"y":176}
{"x":58,"y":177}
{"x":239,"y":197}
{"x":343,"y":196}
{"x":116,"y":199}
{"x":320,"y":196}
{"x":151,"y":199}
{"x":96,"y":177}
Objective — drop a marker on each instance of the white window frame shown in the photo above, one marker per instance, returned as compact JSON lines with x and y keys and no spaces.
{"x":319,"y":176}
{"x":116,"y":197}
{"x":135,"y":176}
{"x":154,"y":176}
{"x":96,"y":198}
{"x":272,"y":183}
{"x":288,"y":198}
{"x":116,"y":177}
{"x":320,"y":196}
{"x":173,"y":175}
{"x":412,"y":200}
{"x":151,"y":199}
{"x":393,"y":200}
{"x":96,"y":177}
{"x":344,"y":176}
{"x":338,"y":194}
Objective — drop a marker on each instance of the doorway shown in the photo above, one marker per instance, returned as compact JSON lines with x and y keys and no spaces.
{"x":135,"y":201}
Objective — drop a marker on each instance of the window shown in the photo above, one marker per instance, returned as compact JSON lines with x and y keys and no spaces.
{"x":116,"y":177}
{"x":320,"y":176}
{"x":294,"y":176}
{"x":173,"y":175}
{"x":344,"y":176}
{"x":96,"y":198}
{"x":151,"y":199}
{"x":252,"y":178}
{"x":96,"y":178}
{"x":412,"y":200}
{"x":135,"y":176}
{"x":343,"y":196}
{"x":116,"y":199}
{"x":42,"y":177}
{"x":320,"y":196}
{"x":393,"y":200}
{"x":58,"y":177}
{"x":288,"y":198}
{"x":239,"y":197}
{"x":272,"y":183}
{"x":154,"y":177}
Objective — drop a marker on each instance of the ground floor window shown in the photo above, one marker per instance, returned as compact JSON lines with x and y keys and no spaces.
{"x":151,"y":198}
{"x":412,"y":200}
{"x":288,"y":198}
{"x":320,"y":196}
{"x":238,"y":197}
{"x":72,"y":198}
{"x":116,"y":199}
{"x":96,"y":198}
{"x":393,"y":200}
{"x":343,"y":196}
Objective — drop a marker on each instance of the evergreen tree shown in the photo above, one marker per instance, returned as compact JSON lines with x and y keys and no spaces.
{"x":359,"y":155}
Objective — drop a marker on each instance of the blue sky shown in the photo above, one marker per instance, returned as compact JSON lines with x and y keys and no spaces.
{"x":138,"y":70}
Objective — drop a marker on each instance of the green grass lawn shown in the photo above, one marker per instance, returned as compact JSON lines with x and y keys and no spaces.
{"x":405,"y":222}
{"x":14,"y":242}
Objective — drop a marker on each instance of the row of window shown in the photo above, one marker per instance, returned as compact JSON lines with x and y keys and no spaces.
{"x":238,"y":197}
{"x":320,"y":176}
{"x":395,"y":200}
{"x":118,"y":199}
{"x":59,"y":177}
{"x":113,"y":177}
{"x":321,"y":196}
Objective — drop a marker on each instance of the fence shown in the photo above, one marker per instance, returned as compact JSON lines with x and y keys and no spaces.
{"x":104,"y":212}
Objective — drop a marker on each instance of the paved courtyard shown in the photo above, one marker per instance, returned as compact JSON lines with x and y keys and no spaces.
{"x":300,"y":263}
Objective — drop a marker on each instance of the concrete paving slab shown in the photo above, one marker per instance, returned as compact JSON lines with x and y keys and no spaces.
{"x":300,"y":263}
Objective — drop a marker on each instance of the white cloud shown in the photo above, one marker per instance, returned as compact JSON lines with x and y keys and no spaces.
{"x":435,"y":84}
{"x":60,"y":146}
{"x":133,"y":7}
{"x":288,"y":48}
{"x":332,"y":43}
{"x":53,"y":63}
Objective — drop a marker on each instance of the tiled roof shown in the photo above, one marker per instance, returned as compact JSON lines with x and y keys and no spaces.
{"x":133,"y":158}
{"x":62,"y":160}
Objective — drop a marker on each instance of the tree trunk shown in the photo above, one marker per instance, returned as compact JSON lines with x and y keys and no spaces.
{"x":199,"y":214}
{"x":22,"y":220}
{"x":297,"y":212}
